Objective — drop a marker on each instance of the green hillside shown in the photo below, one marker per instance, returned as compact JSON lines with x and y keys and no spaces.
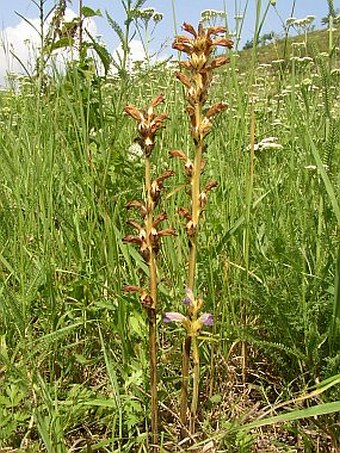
{"x":299,"y":46}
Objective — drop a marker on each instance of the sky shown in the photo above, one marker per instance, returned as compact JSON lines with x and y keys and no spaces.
{"x":16,"y":34}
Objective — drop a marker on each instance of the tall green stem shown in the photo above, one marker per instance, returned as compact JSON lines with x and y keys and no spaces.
{"x":81,"y":30}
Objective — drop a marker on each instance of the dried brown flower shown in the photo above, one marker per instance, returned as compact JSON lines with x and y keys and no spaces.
{"x":215,"y":109}
{"x":160,"y":218}
{"x":137,"y":204}
{"x":167,"y":232}
{"x":184,"y":213}
{"x":202,"y":44}
{"x":178,"y":153}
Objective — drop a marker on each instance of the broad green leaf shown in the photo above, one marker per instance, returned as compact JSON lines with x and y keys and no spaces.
{"x":89,"y":12}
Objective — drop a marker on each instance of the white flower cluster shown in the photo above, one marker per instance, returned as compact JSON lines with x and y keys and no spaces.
{"x":302,"y":23}
{"x":315,"y":167}
{"x":267,"y":143}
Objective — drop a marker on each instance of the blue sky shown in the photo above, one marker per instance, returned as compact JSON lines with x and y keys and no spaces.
{"x":186,"y":10}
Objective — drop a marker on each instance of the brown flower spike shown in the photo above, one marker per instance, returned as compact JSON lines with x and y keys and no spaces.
{"x":148,"y":237}
{"x":196,"y":75}
{"x":148,"y":123}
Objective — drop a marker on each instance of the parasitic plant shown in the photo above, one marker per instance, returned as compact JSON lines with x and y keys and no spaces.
{"x":148,"y":237}
{"x":196,"y":76}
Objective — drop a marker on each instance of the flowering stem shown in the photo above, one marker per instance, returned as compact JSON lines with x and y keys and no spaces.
{"x":148,"y":238}
{"x":196,"y":79}
{"x":151,"y":311}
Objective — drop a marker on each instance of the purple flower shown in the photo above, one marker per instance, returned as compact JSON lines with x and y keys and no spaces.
{"x":173,"y":316}
{"x":207,"y":319}
{"x":189,"y":298}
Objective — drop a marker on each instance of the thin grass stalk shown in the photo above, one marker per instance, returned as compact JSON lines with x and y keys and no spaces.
{"x":81,"y":29}
{"x":246,"y":245}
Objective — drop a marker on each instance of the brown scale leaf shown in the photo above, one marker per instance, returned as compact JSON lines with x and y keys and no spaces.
{"x":182,"y":45}
{"x":217,"y":62}
{"x":185,"y":64}
{"x":157,"y":100}
{"x":131,"y":289}
{"x":215,"y":109}
{"x":216,"y":30}
{"x":165,"y":175}
{"x":184,"y":79}
{"x":210,"y":185}
{"x":133,"y":223}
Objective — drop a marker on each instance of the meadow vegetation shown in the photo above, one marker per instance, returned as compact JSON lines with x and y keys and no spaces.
{"x":74,"y":347}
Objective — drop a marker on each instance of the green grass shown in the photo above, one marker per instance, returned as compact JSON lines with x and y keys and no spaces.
{"x":73,"y":352}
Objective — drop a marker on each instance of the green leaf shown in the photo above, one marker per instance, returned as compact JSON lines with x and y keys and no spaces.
{"x":103,"y":54}
{"x":320,"y":409}
{"x":60,"y":44}
{"x":89,"y":12}
{"x":116,"y":28}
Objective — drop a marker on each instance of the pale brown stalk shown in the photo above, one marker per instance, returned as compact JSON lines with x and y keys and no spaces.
{"x":196,"y":78}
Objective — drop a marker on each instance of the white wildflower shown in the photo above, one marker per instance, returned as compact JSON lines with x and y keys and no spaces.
{"x":279,"y":61}
{"x":135,"y":152}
